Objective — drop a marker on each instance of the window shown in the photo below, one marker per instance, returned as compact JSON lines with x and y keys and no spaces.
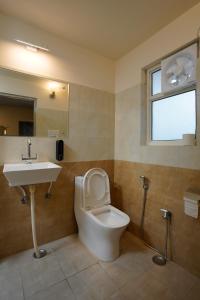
{"x":156,"y":82}
{"x":171,"y":113}
{"x":174,"y":116}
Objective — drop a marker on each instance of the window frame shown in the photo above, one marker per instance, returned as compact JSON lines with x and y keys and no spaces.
{"x":151,"y":98}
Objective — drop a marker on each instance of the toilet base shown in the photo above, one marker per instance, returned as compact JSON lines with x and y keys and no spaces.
{"x":104,"y":250}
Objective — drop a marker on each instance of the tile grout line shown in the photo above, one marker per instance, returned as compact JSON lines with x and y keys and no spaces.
{"x":21,"y":280}
{"x":71,"y":289}
{"x":44,"y":289}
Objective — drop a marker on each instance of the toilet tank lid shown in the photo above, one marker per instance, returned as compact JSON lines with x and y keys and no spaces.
{"x":96,"y":188}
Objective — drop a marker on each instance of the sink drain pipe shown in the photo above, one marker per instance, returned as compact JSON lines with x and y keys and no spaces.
{"x":38,"y":252}
{"x":25,"y":197}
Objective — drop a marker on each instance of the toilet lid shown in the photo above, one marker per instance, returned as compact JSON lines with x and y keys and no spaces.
{"x":96,"y":188}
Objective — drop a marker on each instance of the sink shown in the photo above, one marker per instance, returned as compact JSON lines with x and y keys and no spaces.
{"x":31,"y":173}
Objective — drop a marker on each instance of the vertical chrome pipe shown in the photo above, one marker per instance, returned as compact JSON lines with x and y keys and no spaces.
{"x":161,"y":259}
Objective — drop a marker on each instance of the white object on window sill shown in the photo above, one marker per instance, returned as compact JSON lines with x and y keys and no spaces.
{"x":189,"y":139}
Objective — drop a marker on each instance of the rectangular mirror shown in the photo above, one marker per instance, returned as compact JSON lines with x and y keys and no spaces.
{"x":32,"y":105}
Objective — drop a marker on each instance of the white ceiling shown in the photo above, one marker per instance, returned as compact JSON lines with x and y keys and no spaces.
{"x":109,"y":27}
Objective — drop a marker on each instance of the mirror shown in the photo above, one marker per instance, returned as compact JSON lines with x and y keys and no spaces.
{"x":32,"y":105}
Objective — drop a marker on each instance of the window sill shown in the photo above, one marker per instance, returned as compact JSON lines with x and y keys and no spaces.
{"x":170,"y":143}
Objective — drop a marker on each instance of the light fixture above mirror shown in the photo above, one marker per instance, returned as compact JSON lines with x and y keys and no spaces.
{"x":31,"y":47}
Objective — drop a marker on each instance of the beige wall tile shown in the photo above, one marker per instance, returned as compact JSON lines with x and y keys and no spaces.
{"x":54,"y":217}
{"x":130,"y":135}
{"x":90,"y":134}
{"x":167,"y":187}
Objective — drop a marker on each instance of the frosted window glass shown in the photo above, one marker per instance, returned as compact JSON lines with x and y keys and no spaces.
{"x":174,"y":116}
{"x":156,"y":82}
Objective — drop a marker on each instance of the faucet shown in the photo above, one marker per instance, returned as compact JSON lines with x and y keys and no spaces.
{"x":145,"y":182}
{"x":166,"y":214}
{"x":29,"y":143}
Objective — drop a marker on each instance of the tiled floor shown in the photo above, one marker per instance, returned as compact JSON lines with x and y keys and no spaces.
{"x":70,"y":272}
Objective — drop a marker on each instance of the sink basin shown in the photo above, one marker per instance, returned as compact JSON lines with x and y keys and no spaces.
{"x":31,"y":173}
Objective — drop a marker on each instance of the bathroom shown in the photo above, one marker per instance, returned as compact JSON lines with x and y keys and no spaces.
{"x":97,"y":86}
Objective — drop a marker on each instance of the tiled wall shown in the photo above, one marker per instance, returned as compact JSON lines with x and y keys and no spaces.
{"x":90,"y":130}
{"x":166,"y":190}
{"x":90,"y":143}
{"x":54,"y":217}
{"x":130,"y":134}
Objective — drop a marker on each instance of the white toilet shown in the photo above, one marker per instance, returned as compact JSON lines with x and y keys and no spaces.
{"x":100,"y":225}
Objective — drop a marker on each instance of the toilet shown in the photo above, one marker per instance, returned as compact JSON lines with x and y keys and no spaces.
{"x":100,"y":225}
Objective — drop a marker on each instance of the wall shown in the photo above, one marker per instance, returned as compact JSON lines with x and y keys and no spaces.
{"x":176,"y":34}
{"x":92,"y":78}
{"x":171,"y":170}
{"x":166,"y":190}
{"x":90,"y":144}
{"x":91,"y":131}
{"x":54,"y":217}
{"x":90,"y":139}
{"x":65,"y":61}
{"x":130,"y":105}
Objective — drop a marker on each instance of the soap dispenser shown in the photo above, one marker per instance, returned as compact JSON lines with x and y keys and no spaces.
{"x":59,"y":150}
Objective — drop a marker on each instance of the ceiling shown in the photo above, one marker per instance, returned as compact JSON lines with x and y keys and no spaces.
{"x":108,"y":27}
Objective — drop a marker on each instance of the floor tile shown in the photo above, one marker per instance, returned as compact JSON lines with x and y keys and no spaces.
{"x":70,"y":271}
{"x":144,"y":287}
{"x":135,"y":260}
{"x":122,"y":270}
{"x":194,"y":292}
{"x":10,"y":284}
{"x":59,"y":291}
{"x":40,"y":274}
{"x":74,"y":258}
{"x":93,"y":283}
{"x":177,"y":280}
{"x":63,"y":243}
{"x":25,"y":257}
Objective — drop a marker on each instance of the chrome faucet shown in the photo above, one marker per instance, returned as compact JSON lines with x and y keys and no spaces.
{"x":29,"y":143}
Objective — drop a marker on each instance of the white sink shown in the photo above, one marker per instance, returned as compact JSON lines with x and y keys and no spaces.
{"x":31,"y":173}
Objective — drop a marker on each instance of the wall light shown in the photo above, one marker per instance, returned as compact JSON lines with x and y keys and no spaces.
{"x":52,"y":87}
{"x":31,"y":47}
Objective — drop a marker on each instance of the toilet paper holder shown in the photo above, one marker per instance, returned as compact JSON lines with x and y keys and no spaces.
{"x":191,"y":204}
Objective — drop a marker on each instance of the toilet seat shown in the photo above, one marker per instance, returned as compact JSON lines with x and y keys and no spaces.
{"x":109,"y":216}
{"x":96,"y":189}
